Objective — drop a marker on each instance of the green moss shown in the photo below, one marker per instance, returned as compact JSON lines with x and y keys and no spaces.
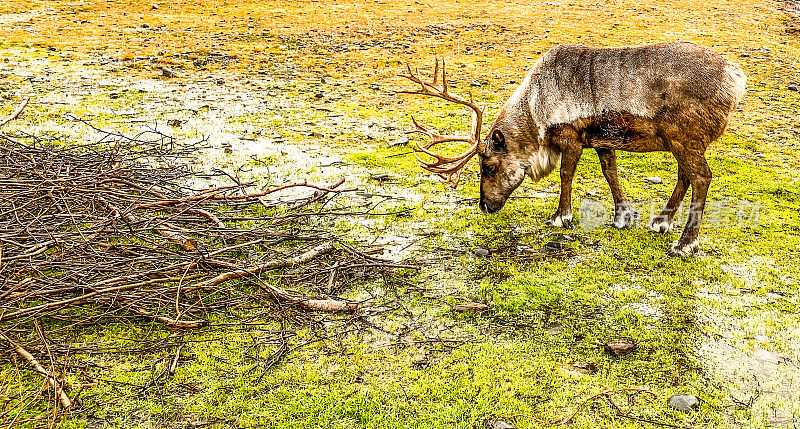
{"x":523,"y":361}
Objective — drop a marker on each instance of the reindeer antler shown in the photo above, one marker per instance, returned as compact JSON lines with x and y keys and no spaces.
{"x":448,"y":168}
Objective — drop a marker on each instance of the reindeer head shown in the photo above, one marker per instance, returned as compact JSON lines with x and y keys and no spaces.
{"x":501,"y":170}
{"x":509,"y":153}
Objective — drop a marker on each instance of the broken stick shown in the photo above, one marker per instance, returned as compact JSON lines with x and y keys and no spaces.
{"x":62,"y":396}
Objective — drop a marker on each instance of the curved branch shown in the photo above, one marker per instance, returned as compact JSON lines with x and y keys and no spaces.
{"x":15,"y":113}
{"x":55,"y":384}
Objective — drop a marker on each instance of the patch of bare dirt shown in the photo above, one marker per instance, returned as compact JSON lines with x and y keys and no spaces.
{"x":752,"y":349}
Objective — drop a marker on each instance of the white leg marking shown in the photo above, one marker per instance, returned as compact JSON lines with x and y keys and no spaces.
{"x":561,"y":221}
{"x":687,"y":250}
{"x":625,"y":218}
{"x":659,"y":224}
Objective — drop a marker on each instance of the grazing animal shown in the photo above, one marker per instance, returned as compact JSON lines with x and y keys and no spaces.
{"x":671,"y":96}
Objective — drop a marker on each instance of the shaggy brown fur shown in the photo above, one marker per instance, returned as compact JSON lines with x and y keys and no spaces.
{"x":672,"y":96}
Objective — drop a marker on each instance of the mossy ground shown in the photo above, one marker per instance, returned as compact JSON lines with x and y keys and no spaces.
{"x":722,"y":326}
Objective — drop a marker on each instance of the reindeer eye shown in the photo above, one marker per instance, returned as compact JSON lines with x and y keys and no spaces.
{"x":498,"y":140}
{"x":488,"y":170}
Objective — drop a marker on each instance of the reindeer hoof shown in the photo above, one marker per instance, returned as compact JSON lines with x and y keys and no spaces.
{"x":660,"y":224}
{"x":684,"y":249}
{"x":560,"y":221}
{"x":625,"y":218}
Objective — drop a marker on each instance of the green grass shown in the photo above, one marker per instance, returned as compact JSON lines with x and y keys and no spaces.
{"x":510,"y":363}
{"x":518,"y":361}
{"x":550,"y":316}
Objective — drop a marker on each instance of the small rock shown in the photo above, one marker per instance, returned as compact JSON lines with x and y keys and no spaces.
{"x":319,"y":95}
{"x":554,"y":329}
{"x":621,"y":346}
{"x":145,"y":25}
{"x":379,"y":177}
{"x":765,"y":50}
{"x":521,"y":248}
{"x":465,"y":307}
{"x":421,"y":363}
{"x":478,"y":82}
{"x":781,"y":420}
{"x":480,"y":251}
{"x":399,"y":142}
{"x":744,"y":54}
{"x":583,"y":368}
{"x":762,"y":355}
{"x":174,"y":123}
{"x":220,"y":81}
{"x":499,"y":424}
{"x":553,"y":247}
{"x":154,"y":7}
{"x":792,"y":88}
{"x":654,"y":179}
{"x":683,"y":402}
{"x":168,"y":72}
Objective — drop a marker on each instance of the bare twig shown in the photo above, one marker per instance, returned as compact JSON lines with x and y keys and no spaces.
{"x":604,"y":394}
{"x":271,"y":265}
{"x":123,"y":229}
{"x":55,"y":384}
{"x":16,"y":113}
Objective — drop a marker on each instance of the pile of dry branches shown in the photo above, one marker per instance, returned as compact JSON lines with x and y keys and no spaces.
{"x":123,"y":228}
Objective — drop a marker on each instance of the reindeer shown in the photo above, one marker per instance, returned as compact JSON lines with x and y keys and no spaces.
{"x":671,"y":96}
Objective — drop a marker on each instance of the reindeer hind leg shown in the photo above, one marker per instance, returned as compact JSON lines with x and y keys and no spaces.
{"x":662,"y":222}
{"x":700,"y":181}
{"x":696,"y":173}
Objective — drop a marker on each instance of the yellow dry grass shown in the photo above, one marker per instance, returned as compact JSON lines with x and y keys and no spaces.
{"x":368,"y":41}
{"x":363,"y":42}
{"x":501,"y":38}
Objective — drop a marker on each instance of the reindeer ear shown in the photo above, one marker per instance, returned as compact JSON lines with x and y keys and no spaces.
{"x":498,"y":140}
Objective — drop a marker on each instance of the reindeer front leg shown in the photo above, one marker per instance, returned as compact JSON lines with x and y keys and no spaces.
{"x":565,"y":139}
{"x":624,"y":215}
